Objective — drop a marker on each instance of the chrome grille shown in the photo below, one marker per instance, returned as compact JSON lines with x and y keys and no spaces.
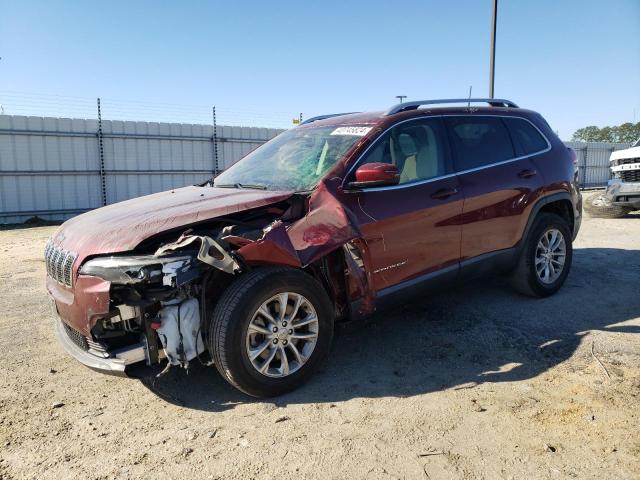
{"x":626,"y":161}
{"x":59,"y":263}
{"x":630,"y":176}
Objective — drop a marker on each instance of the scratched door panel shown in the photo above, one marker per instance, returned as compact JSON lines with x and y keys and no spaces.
{"x":408,"y":232}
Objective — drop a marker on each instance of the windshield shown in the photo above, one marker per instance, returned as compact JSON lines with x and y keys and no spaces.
{"x":295,"y":160}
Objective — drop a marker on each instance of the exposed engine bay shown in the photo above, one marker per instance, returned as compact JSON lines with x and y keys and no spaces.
{"x":162,"y":294}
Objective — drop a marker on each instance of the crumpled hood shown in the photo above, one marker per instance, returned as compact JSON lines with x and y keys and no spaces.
{"x":122,"y":226}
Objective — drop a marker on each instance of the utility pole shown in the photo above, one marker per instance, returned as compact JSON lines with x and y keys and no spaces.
{"x":492,"y":68}
{"x":401,"y":97}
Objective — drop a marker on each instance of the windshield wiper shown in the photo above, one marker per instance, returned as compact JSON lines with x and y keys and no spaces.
{"x":241,"y":185}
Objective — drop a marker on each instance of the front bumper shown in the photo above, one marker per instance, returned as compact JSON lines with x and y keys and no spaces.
{"x":624,"y":194}
{"x":115,"y":364}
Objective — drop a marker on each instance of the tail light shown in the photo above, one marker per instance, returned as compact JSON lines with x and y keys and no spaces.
{"x":576,"y":171}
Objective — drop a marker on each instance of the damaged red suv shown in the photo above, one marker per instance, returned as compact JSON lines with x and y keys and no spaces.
{"x":325,"y":223}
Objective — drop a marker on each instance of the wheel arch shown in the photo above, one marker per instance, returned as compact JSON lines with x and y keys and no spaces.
{"x":329,"y":271}
{"x":558,"y":203}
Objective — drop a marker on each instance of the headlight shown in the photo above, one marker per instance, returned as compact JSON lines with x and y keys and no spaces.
{"x":129,"y":270}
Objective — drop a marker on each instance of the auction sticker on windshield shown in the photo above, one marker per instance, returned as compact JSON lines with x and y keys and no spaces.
{"x":353,"y":131}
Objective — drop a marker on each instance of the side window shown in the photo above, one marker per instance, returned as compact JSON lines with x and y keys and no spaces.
{"x":479,"y":141}
{"x":416,"y":148}
{"x":525,"y":135}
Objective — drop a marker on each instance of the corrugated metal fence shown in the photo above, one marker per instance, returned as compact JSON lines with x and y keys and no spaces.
{"x":55,"y":168}
{"x":593,"y":161}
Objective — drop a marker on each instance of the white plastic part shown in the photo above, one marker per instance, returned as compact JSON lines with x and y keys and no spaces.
{"x":633,"y":152}
{"x":180,"y":325}
{"x":127,"y":312}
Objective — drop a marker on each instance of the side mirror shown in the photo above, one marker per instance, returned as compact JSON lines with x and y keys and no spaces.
{"x":376,"y":175}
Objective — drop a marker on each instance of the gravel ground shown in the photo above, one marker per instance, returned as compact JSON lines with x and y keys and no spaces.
{"x":475,"y":383}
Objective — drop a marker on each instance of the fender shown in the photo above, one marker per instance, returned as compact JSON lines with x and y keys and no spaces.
{"x":540,"y":203}
{"x":505,"y":259}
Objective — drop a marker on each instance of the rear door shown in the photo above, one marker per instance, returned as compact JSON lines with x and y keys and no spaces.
{"x":411,"y":228}
{"x":499,"y":180}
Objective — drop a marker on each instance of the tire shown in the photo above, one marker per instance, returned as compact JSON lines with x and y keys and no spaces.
{"x":525,"y":278}
{"x":600,"y":206}
{"x":230,"y":339}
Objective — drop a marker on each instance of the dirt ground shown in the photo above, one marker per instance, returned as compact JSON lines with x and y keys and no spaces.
{"x":475,"y":383}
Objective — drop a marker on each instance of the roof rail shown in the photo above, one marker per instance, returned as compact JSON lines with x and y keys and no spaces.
{"x":494,"y":102}
{"x":322,"y":117}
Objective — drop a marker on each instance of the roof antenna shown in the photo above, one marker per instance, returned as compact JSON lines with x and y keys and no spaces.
{"x":469,"y":102}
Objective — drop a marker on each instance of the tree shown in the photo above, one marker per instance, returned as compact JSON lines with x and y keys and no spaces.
{"x":586,"y":134}
{"x":628,"y":132}
{"x":625,"y":133}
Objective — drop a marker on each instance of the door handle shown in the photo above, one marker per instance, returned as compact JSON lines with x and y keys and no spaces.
{"x":527,"y":173}
{"x":444,"y":193}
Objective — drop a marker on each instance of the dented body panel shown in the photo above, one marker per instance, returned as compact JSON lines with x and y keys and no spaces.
{"x":81,"y":307}
{"x":392,"y":231}
{"x":123,"y":226}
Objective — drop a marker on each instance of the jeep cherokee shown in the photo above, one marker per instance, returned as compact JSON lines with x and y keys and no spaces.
{"x":325,"y":223}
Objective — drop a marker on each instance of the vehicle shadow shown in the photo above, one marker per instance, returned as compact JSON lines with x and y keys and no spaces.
{"x":479,"y":332}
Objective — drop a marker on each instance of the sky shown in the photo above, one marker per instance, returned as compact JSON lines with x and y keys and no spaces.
{"x":262,"y":63}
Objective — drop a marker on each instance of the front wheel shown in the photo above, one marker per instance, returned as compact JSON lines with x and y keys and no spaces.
{"x":270,"y":330}
{"x":546,"y":257}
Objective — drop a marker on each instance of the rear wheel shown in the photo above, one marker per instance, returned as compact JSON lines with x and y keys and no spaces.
{"x":270,"y":330}
{"x":600,"y":206}
{"x":546,"y":257}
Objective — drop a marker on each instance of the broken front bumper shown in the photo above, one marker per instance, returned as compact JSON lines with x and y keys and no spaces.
{"x":115,"y":363}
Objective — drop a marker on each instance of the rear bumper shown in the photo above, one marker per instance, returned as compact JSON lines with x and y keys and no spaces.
{"x":577,"y":215}
{"x":115,"y":364}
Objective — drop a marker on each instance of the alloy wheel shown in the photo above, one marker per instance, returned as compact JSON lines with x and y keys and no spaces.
{"x":550,"y":256}
{"x":282,"y":335}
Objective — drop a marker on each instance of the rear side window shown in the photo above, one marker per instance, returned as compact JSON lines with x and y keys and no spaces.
{"x":479,"y":141}
{"x":525,"y":136}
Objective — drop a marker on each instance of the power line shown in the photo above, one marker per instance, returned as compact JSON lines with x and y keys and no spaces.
{"x":67,"y":106}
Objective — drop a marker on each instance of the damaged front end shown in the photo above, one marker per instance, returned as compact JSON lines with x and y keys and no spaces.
{"x":149,"y":305}
{"x":155,"y":302}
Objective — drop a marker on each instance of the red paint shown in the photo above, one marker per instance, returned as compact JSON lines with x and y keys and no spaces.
{"x":274,"y":248}
{"x":122,"y":226}
{"x":378,"y":173}
{"x":408,"y":233}
{"x":81,"y":308}
{"x":325,"y":227}
{"x":327,"y":218}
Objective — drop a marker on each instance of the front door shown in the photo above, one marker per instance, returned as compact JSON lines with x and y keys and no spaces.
{"x":412,"y":229}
